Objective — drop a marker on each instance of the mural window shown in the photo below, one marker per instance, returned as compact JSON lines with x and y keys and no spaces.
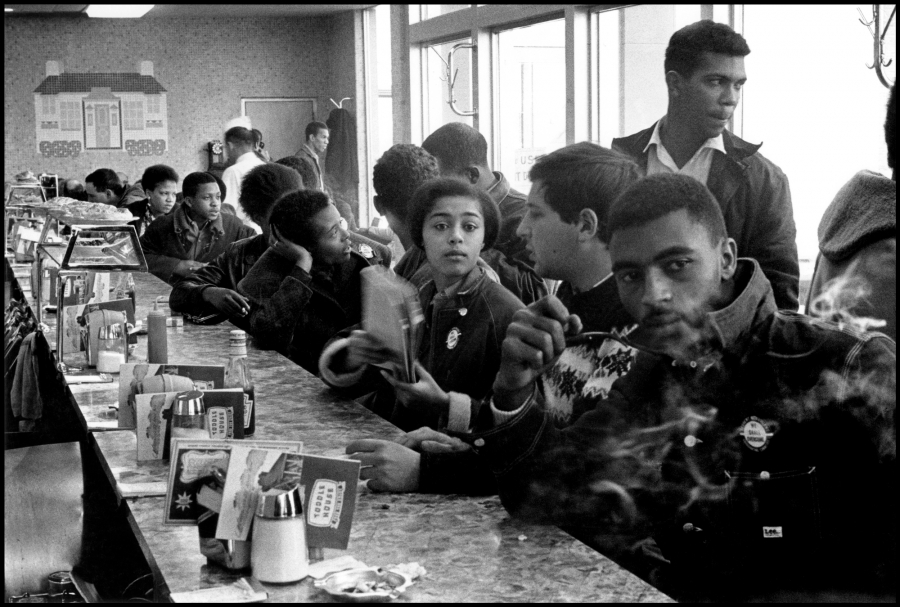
{"x":69,"y":116}
{"x":154,"y":104}
{"x":48,"y":105}
{"x":134,"y":115}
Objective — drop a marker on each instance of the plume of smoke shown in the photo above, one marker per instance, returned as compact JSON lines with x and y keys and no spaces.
{"x":843,"y":295}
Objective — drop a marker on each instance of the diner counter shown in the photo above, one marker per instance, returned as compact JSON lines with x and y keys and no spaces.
{"x":471,"y":548}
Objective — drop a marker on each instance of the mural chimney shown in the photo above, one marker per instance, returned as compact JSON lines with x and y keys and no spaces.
{"x":53,"y":68}
{"x":146,"y":68}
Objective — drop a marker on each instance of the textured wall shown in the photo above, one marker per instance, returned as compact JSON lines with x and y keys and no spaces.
{"x":206,"y":65}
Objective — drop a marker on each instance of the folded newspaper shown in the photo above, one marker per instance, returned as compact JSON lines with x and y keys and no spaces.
{"x":392,"y":314}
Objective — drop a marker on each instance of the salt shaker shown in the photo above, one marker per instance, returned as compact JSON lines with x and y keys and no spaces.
{"x":278,"y":553}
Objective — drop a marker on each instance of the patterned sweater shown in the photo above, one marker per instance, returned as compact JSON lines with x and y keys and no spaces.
{"x":586,"y":372}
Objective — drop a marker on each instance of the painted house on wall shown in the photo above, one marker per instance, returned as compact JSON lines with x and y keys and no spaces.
{"x":84,"y":112}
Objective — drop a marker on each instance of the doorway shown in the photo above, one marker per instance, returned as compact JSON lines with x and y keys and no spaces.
{"x":282,"y":121}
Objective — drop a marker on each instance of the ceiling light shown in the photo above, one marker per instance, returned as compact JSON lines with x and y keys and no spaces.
{"x":118,"y":11}
{"x":7,"y":10}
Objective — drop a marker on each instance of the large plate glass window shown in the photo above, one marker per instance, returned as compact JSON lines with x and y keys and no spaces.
{"x":532,"y":97}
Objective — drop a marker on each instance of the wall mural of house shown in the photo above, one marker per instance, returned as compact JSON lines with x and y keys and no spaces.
{"x":76,"y":112}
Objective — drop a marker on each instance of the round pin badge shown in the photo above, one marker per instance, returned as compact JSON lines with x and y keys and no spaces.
{"x":453,"y":338}
{"x":366,"y":251}
{"x":756,"y":433}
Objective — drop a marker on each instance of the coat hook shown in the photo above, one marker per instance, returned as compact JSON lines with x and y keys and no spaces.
{"x":340,"y":105}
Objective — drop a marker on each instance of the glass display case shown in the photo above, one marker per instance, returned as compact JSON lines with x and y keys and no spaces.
{"x":90,"y":248}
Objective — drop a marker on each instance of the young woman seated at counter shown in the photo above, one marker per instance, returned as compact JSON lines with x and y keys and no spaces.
{"x":466,"y":315}
{"x":193,"y":234}
{"x":306,"y":286}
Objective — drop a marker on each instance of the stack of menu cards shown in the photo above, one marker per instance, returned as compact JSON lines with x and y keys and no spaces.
{"x":392,"y":314}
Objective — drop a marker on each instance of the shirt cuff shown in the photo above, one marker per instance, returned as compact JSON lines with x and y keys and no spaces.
{"x":501,"y":417}
{"x":333,"y":378}
{"x":460,"y":414}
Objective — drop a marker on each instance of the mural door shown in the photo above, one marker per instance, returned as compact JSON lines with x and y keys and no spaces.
{"x":102,"y":125}
{"x":282,"y":122}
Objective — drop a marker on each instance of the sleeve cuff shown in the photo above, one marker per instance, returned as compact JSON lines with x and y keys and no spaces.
{"x":501,"y":417}
{"x":333,"y":378}
{"x":460,"y":415}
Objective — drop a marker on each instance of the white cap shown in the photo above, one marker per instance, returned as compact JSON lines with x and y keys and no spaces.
{"x":243,"y":121}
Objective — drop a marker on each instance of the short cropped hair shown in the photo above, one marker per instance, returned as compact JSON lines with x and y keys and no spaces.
{"x":106,"y":179}
{"x":687,"y":45}
{"x":658,"y":195}
{"x":156,"y":174}
{"x":306,"y":170}
{"x":398,"y":174}
{"x":193,"y":182}
{"x":457,"y":146}
{"x":72,"y":188}
{"x":257,"y":136}
{"x":239,"y":135}
{"x":430,"y":192}
{"x":293,"y":215}
{"x":583,"y":176}
{"x":263,"y":185}
{"x":313,"y":128}
{"x":890,"y":124}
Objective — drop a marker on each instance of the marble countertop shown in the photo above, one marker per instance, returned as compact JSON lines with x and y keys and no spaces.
{"x":471,"y":548}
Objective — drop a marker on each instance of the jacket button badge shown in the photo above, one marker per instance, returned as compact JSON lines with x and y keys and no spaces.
{"x":479,"y":442}
{"x":453,"y":338}
{"x":463,"y":311}
{"x":366,"y":251}
{"x":691,"y":440}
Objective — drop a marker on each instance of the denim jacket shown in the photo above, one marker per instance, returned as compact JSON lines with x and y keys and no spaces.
{"x":770,"y":465}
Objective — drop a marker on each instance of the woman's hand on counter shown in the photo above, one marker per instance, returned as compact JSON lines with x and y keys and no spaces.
{"x":429,"y":439}
{"x":387,"y":465}
{"x":227,"y":301}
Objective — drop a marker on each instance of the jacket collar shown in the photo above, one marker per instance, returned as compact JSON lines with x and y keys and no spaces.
{"x":462,"y":291}
{"x":736,"y":149}
{"x":500,"y":189}
{"x":754,"y":302}
{"x":184,"y":224}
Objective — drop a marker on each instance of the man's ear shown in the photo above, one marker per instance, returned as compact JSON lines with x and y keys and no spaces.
{"x":728,"y":250}
{"x":673,"y":83}
{"x":588,"y":225}
{"x":472,"y":174}
{"x":147,"y":192}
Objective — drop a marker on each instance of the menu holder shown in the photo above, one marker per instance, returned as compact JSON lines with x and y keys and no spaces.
{"x":392,"y":314}
{"x":131,"y":375}
{"x":154,"y":420}
{"x":194,"y":463}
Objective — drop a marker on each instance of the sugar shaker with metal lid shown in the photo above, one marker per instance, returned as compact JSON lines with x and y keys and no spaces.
{"x":279,"y":553}
{"x":189,"y":415}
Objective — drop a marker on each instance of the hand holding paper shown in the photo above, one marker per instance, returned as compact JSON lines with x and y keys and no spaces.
{"x":423,"y":394}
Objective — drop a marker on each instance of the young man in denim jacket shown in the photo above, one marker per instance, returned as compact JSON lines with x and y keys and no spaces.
{"x":748,"y":452}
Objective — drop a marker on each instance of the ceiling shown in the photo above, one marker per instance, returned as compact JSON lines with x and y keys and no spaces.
{"x":199,"y":10}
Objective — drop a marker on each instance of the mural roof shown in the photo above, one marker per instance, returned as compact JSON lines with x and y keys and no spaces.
{"x":83,"y":83}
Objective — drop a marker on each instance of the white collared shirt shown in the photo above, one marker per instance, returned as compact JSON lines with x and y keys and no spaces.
{"x":660,"y":161}
{"x":232,"y":178}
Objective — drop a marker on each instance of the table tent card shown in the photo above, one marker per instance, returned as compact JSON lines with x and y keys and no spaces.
{"x":135,"y":378}
{"x":154,"y":419}
{"x":193,"y":464}
{"x":328,"y":487}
